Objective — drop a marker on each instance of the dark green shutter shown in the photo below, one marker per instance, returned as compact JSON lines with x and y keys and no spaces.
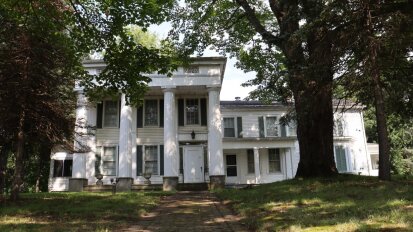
{"x":139,"y":160}
{"x":283,"y":130}
{"x":99,"y":115}
{"x":98,"y":160}
{"x":239,"y":126}
{"x":181,"y":160}
{"x":119,"y":112}
{"x":204,"y":116}
{"x":161,"y":114}
{"x":261,"y":126}
{"x":161,"y":159}
{"x":181,"y":112}
{"x":139,"y":117}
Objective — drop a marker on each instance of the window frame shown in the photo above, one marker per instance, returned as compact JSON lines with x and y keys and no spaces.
{"x":275,"y":160}
{"x":345,"y":158}
{"x":104,"y":114}
{"x":277,"y":122}
{"x":157,"y":112}
{"x":102,"y":160}
{"x":235,"y":127}
{"x":231,"y":165}
{"x":63,"y":168}
{"x":158,"y":160}
{"x":199,"y":111}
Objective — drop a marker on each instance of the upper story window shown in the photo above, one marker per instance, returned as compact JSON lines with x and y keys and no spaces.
{"x":339,"y":127}
{"x":232,"y":127}
{"x":110,"y":113}
{"x":151,"y":112}
{"x":271,"y":126}
{"x":62,"y":168}
{"x":229,"y":127}
{"x":191,"y":69}
{"x":192,"y":111}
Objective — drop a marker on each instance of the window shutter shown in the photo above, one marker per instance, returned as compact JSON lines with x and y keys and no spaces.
{"x":261,"y":126}
{"x":161,"y":157}
{"x":181,"y":112}
{"x":161,"y":114}
{"x":204,"y":121}
{"x":283,"y":130}
{"x":99,"y":115}
{"x":139,"y":117}
{"x":98,"y":161}
{"x":119,"y":112}
{"x":139,"y":160}
{"x":239,"y":126}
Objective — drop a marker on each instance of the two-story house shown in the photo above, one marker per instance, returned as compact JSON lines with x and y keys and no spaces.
{"x":183,"y":133}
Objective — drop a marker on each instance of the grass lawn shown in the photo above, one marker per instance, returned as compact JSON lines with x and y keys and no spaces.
{"x":75,"y":211}
{"x":348,"y":203}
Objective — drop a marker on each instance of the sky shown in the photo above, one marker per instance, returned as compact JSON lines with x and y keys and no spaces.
{"x":233,"y":77}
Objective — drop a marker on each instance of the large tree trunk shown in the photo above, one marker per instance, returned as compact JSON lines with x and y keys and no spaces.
{"x":17,"y":179}
{"x":374,"y":71}
{"x":4,"y":155}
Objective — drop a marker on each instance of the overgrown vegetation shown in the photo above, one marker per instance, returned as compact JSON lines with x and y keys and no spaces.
{"x":345,"y":203}
{"x":75,"y":211}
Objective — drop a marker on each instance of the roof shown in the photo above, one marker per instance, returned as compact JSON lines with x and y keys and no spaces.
{"x":251,"y":105}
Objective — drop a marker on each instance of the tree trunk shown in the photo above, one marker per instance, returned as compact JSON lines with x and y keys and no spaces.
{"x":374,"y":71}
{"x":17,"y":179}
{"x":4,"y":155}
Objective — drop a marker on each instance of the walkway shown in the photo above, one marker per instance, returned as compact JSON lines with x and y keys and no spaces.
{"x":189,"y":211}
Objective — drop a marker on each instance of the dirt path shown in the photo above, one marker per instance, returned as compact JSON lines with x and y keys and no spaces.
{"x":189,"y":211}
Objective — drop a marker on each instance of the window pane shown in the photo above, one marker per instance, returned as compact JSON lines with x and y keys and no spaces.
{"x":109,"y":153}
{"x":271,"y":126}
{"x":109,"y":168}
{"x":231,"y":170}
{"x":151,"y":112}
{"x":67,"y":168}
{"x":375,"y":161}
{"x":274,"y":161}
{"x":338,"y":127}
{"x":151,"y":160}
{"x":229,"y":127}
{"x":192,"y":112}
{"x":231,"y":159}
{"x":111,"y":114}
{"x":231,"y":165}
{"x":341,"y":161}
{"x":58,"y":168}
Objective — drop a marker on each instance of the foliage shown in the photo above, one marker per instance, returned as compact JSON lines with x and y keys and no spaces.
{"x":346,"y":203}
{"x":74,"y":211}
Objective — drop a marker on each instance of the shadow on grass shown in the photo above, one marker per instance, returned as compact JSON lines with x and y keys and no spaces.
{"x":73,"y":211}
{"x":345,"y":203}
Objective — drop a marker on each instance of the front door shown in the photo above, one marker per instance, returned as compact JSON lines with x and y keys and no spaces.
{"x":193,"y":164}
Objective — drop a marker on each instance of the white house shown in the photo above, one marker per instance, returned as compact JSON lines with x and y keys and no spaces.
{"x":183,"y":133}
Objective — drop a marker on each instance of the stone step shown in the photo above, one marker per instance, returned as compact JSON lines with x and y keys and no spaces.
{"x":192,"y":186}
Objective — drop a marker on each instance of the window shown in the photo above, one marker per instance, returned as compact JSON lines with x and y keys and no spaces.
{"x":191,"y":69}
{"x":231,"y":165}
{"x":62,"y":168}
{"x":271,"y":126}
{"x":192,"y":111}
{"x":109,"y":161}
{"x":274,"y":160}
{"x":374,"y":161}
{"x":229,"y":127}
{"x":292,"y":128}
{"x":339,"y":127}
{"x":151,"y":160}
{"x":341,"y":158}
{"x":151,"y":112}
{"x":110,"y":115}
{"x":250,"y":160}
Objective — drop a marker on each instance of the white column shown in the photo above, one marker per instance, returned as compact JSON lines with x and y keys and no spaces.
{"x":171,"y":158}
{"x":81,"y":138}
{"x":288,"y":163}
{"x":215,"y":154}
{"x":125,"y":130}
{"x":257,"y":165}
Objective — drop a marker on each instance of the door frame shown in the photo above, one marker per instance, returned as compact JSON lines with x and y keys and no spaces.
{"x":184,"y":148}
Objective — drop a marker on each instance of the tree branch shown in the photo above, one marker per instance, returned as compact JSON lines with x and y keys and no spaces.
{"x":255,"y":22}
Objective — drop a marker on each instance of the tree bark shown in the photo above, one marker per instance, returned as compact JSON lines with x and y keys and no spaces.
{"x":17,"y":179}
{"x":4,"y":155}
